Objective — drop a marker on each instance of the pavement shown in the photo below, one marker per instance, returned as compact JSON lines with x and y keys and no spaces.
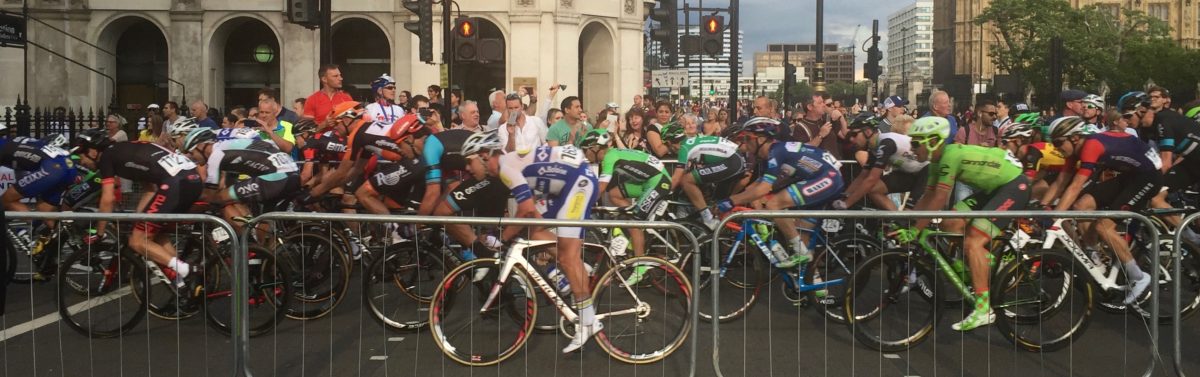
{"x":775,"y":339}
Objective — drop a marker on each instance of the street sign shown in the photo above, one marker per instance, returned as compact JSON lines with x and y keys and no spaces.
{"x":12,"y":30}
{"x":669,"y":78}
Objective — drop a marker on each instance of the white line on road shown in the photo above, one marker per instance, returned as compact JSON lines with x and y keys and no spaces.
{"x":37,"y":323}
{"x":378,"y":358}
{"x":891,"y":356}
{"x":396,"y":339}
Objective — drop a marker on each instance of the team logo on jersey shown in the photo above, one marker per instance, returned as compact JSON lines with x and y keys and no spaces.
{"x":32,"y":177}
{"x":583,"y":183}
{"x":551,"y":170}
{"x":817,"y":187}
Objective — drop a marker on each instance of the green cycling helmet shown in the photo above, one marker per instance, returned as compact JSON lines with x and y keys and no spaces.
{"x":928,"y":127}
{"x":1194,"y":113}
{"x":597,"y":137}
{"x":1032,"y":119}
{"x":672,"y":132}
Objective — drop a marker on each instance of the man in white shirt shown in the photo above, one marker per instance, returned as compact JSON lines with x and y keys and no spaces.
{"x":496,"y":99}
{"x":384,"y":109}
{"x":469,"y":112}
{"x":520,"y":132}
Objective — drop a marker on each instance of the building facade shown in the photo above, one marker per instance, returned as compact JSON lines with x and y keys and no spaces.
{"x":839,"y":65}
{"x":148,"y":51}
{"x":909,"y":48}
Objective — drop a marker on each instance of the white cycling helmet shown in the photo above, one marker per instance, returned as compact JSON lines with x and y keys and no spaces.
{"x":183,"y":127}
{"x":482,"y":141}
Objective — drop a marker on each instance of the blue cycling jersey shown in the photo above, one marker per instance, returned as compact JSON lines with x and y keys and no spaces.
{"x":795,"y":161}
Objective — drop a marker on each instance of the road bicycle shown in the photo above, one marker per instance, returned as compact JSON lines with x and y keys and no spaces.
{"x":399,"y":284}
{"x":484,"y":310}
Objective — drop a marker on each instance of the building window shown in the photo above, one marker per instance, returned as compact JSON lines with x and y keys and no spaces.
{"x":1161,"y":11}
{"x":1113,"y":10}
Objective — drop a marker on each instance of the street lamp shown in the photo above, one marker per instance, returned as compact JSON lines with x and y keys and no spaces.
{"x":264,"y":55}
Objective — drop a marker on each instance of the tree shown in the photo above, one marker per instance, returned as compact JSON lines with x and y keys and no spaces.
{"x":1024,"y":35}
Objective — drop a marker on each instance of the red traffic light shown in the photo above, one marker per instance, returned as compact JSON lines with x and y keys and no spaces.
{"x":713,"y":24}
{"x":465,"y":27}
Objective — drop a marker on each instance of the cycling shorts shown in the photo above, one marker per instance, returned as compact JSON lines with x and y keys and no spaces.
{"x":573,"y":202}
{"x":479,"y":198}
{"x":1126,"y":191}
{"x":913,"y":183}
{"x":646,"y":194}
{"x":48,"y":182}
{"x":814,"y":192}
{"x":267,"y":188}
{"x":176,"y":194}
{"x":728,"y":169}
{"x":397,"y":180}
{"x":1183,"y":175}
{"x":1013,"y":196}
{"x":81,"y":192}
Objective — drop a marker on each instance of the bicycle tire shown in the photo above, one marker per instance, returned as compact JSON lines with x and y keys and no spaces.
{"x":743,"y":295}
{"x":321,"y":273}
{"x":104,"y":294}
{"x":400,"y":310}
{"x":1019,"y":298}
{"x":838,"y":260}
{"x":613,"y":295}
{"x":897,"y":267}
{"x":469,"y":284}
{"x":268,"y":291}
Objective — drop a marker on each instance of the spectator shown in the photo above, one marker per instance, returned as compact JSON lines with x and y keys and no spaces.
{"x":496,"y":100}
{"x":1073,"y":102}
{"x":230,"y":121}
{"x":520,"y":132}
{"x":170,"y":114}
{"x":115,"y":124}
{"x":298,"y":105}
{"x":554,"y":115}
{"x":982,"y":131}
{"x":252,"y":113}
{"x":469,"y":112}
{"x":270,"y":126}
{"x":634,"y":136}
{"x":417,"y":103}
{"x":154,"y":128}
{"x":151,"y":109}
{"x":403,"y":97}
{"x":320,"y":103}
{"x":384,"y":109}
{"x":435,"y":94}
{"x":723,"y":117}
{"x":690,"y":128}
{"x":455,"y":101}
{"x":712,"y":127}
{"x":814,"y":127}
{"x":939,"y":105}
{"x":893,"y":108}
{"x":663,"y":113}
{"x":768,"y":108}
{"x":545,"y":106}
{"x":902,"y":123}
{"x":571,"y":129}
{"x":200,"y":113}
{"x":1003,"y":113}
{"x":238,"y":112}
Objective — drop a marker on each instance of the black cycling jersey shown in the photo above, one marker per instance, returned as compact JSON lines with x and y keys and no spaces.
{"x":141,"y":161}
{"x":443,"y":153}
{"x":1172,"y":129}
{"x":324,"y":147}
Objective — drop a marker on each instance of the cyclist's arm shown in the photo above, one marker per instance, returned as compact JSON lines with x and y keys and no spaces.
{"x":1057,"y":187}
{"x":525,"y":210}
{"x":433,"y":193}
{"x":108,"y":200}
{"x":862,"y":184}
{"x":333,"y":177}
{"x":677,"y":177}
{"x":1072,"y":193}
{"x":757,"y":190}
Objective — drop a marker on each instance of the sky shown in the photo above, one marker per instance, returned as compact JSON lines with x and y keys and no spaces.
{"x":763,"y":25}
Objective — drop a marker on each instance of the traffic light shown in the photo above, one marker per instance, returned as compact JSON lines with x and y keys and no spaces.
{"x":303,"y":12}
{"x":712,"y":37}
{"x":789,"y":74}
{"x":466,"y":39}
{"x":872,"y":70}
{"x":667,"y":33}
{"x":422,"y":27}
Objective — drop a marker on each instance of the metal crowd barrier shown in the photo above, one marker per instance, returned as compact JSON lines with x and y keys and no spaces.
{"x":895,"y":358}
{"x":426,"y":353}
{"x":1178,"y":317}
{"x":189,"y":356}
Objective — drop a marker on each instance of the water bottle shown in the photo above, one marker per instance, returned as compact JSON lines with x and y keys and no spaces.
{"x":468,"y":255}
{"x":779,"y":252}
{"x":558,"y":279}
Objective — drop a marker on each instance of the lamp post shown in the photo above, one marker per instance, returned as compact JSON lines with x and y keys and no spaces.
{"x":264,"y":55}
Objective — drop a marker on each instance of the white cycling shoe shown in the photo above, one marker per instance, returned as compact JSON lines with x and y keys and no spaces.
{"x":582,"y":334}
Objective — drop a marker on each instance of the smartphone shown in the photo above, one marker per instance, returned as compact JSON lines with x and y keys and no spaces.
{"x":425,"y":113}
{"x":512,"y":118}
{"x":612,"y":119}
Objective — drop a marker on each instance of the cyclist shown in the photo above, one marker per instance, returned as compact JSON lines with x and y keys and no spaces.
{"x":327,"y":145}
{"x":176,"y":182}
{"x":560,"y":175}
{"x":809,"y":176}
{"x":888,"y":150}
{"x":395,"y":180}
{"x":708,"y":161}
{"x":999,"y":185}
{"x":271,"y":174}
{"x":638,"y":181}
{"x":479,"y":193}
{"x":1041,"y":161}
{"x":1093,"y":110}
{"x":1178,"y":146}
{"x":1137,"y":180}
{"x":43,"y":171}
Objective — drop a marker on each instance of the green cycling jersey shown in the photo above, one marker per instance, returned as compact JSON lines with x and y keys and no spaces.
{"x":982,"y":168}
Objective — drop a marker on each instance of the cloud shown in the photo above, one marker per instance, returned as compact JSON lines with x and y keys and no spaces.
{"x":793,"y":21}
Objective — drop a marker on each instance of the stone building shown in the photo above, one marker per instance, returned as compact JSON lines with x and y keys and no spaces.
{"x":839,"y":64}
{"x":224,"y":50}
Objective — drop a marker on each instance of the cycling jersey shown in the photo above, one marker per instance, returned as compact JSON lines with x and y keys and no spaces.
{"x":396,"y":180}
{"x":1115,"y":151}
{"x":639,"y":176}
{"x":383,"y":136}
{"x":141,"y":161}
{"x":26,"y":153}
{"x":808,"y":174}
{"x":895,"y":150}
{"x":83,"y":190}
{"x":238,"y":133}
{"x":324,"y":147}
{"x":42,"y":171}
{"x":706,"y":150}
{"x":443,"y":153}
{"x":252,"y":157}
{"x":984,"y":169}
{"x":1172,"y":129}
{"x":1042,"y":156}
{"x":561,"y":175}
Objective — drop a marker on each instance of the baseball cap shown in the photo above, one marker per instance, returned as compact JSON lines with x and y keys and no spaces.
{"x":1072,"y":95}
{"x":894,"y":101}
{"x":1021,"y":107}
{"x":152,"y":106}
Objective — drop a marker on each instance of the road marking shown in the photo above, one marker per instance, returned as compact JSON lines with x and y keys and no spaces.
{"x":891,"y":356}
{"x":396,"y":339}
{"x":378,"y":358}
{"x":39,"y":322}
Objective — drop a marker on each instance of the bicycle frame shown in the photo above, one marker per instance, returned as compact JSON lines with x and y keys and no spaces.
{"x":798,"y":281}
{"x":1104,"y":276}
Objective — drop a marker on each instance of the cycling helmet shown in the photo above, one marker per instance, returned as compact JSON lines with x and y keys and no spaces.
{"x":57,"y":141}
{"x":304,"y":126}
{"x":1132,"y":100}
{"x":733,"y":129}
{"x":674,"y":132}
{"x":1094,"y":101}
{"x":1016,"y":129}
{"x":383,"y":81}
{"x":346,"y":109}
{"x":930,"y":126}
{"x":197,"y":137}
{"x":183,"y":127}
{"x":1193,"y":113}
{"x":1032,"y":119}
{"x":598,"y":137}
{"x":761,"y":126}
{"x":865,"y":119}
{"x":92,"y":138}
{"x":410,"y":125}
{"x":1069,"y":126}
{"x":482,"y":141}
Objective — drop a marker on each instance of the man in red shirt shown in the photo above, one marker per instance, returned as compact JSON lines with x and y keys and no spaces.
{"x":320,"y":103}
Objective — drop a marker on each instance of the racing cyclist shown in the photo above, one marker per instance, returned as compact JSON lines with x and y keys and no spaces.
{"x":998,"y":184}
{"x":1041,"y":161}
{"x":705,"y":160}
{"x":888,"y":150}
{"x":271,"y":174}
{"x":43,"y":171}
{"x":479,"y":193}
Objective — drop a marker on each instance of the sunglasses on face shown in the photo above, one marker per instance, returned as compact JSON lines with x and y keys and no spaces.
{"x":1059,"y":141}
{"x":389,"y":87}
{"x":989,"y":113}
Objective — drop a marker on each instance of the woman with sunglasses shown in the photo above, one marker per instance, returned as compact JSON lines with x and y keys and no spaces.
{"x":888,"y":150}
{"x":1137,"y":180}
{"x":998,"y":183}
{"x":384,"y":109}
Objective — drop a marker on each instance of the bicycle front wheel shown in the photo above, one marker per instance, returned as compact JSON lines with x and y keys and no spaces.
{"x":395,"y":285}
{"x":835,"y":263}
{"x":893,"y":301}
{"x":643,"y":323}
{"x":99,"y":291}
{"x":471,"y":333}
{"x":268,"y":290}
{"x":1043,"y":301}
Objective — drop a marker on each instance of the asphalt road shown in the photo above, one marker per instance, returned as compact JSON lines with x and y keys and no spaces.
{"x":776,"y":339}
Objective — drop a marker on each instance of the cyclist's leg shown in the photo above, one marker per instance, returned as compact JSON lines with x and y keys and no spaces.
{"x":809,"y":194}
{"x":574,"y":202}
{"x":618,"y":195}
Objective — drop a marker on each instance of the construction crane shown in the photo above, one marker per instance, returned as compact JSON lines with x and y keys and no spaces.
{"x":853,"y":40}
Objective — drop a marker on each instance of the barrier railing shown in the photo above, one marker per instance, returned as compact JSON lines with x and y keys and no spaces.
{"x":716,"y":257}
{"x":393,"y":341}
{"x":1177,"y":318}
{"x":103,"y":326}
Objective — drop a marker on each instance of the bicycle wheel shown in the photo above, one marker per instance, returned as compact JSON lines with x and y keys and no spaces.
{"x":394,"y":287}
{"x":98,"y":292}
{"x":471,"y":334}
{"x":1043,"y":301}
{"x":737,"y":296}
{"x":643,"y":323}
{"x":268,"y":290}
{"x":163,"y":299}
{"x":893,"y":301}
{"x":837,"y":261}
{"x":21,"y":268}
{"x":322,"y":275}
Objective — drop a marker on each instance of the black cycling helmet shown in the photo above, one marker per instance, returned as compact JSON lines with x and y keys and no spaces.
{"x":761,"y":126}
{"x":304,"y":126}
{"x":1132,"y":100}
{"x":597,"y":137}
{"x":864,"y":120}
{"x":92,"y":138}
